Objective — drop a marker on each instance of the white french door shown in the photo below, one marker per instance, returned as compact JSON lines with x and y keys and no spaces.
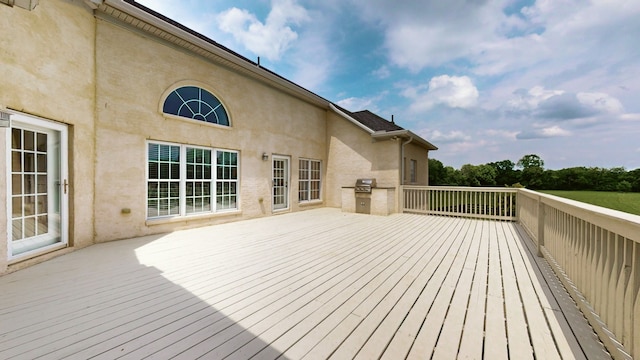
{"x":37,"y":185}
{"x":280,"y":182}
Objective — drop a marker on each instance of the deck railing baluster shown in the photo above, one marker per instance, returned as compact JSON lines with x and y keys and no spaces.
{"x":595,"y":251}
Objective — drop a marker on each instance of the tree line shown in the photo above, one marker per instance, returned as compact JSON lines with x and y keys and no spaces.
{"x":529,"y":172}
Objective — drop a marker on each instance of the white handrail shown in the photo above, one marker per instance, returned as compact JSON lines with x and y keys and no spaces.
{"x":594,"y":251}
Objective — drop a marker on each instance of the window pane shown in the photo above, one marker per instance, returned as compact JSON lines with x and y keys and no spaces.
{"x":43,"y":224}
{"x":16,"y":139}
{"x":152,"y":208}
{"x":16,"y":161}
{"x":16,"y":231}
{"x":29,"y":184}
{"x":190,"y":171}
{"x":16,"y":206}
{"x":154,"y":152}
{"x":16,"y":184}
{"x":164,"y":190}
{"x":191,"y":156}
{"x":29,"y":162}
{"x":42,"y":184}
{"x":175,"y":153}
{"x":42,"y":205}
{"x":154,"y":172}
{"x":42,"y":142}
{"x":164,"y":170}
{"x":175,"y":171}
{"x":42,"y":163}
{"x":152,"y":190}
{"x":29,"y":227}
{"x":174,"y":189}
{"x":29,"y":141}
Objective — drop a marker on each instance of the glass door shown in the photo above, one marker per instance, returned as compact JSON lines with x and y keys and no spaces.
{"x":280,"y":182}
{"x":38,"y":185}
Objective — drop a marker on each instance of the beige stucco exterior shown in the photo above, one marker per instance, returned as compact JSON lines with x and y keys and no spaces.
{"x":420,"y":155}
{"x":106,"y":79}
{"x":48,"y":71}
{"x":133,"y":76}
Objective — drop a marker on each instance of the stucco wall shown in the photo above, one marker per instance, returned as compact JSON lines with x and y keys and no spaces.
{"x":47,"y":70}
{"x":420,"y":154}
{"x":133,"y":74}
{"x":107,"y":81}
{"x":352,"y":154}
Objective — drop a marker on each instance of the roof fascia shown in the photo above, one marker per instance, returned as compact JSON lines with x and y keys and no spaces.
{"x":403,"y":134}
{"x":354,"y":121}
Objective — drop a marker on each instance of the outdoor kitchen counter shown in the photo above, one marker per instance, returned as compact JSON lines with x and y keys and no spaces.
{"x":383,"y":200}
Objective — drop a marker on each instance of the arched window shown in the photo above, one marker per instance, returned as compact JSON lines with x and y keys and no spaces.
{"x":195,"y":103}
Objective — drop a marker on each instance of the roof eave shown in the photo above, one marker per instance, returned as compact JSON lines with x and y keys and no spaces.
{"x":351,"y":119}
{"x":403,"y":134}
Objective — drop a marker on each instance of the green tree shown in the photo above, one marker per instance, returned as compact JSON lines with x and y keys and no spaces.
{"x":437,"y":174}
{"x":633,"y":177}
{"x":505,"y":174}
{"x":532,"y":171}
{"x":478,"y":175}
{"x":530,"y":161}
{"x":623,"y":186}
{"x":453,"y":177}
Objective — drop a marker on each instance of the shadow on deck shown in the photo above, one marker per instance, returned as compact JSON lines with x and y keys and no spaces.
{"x":313,"y":284}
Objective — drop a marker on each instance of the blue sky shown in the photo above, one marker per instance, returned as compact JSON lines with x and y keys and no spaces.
{"x":484,"y":80}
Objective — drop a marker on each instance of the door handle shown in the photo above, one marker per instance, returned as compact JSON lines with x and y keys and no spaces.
{"x":65,"y":185}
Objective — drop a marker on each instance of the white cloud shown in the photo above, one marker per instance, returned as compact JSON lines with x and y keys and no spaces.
{"x":365,"y":103}
{"x":419,"y":34}
{"x":271,"y":38}
{"x":630,"y":117}
{"x":530,"y":99}
{"x":549,"y":132}
{"x":454,"y":136}
{"x":507,"y":134}
{"x":451,"y":91}
{"x":581,"y":109}
{"x":382,"y":73}
{"x":354,"y":104}
{"x":600,"y":101}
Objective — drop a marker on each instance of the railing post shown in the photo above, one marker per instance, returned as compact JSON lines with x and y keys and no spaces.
{"x":541,"y":219}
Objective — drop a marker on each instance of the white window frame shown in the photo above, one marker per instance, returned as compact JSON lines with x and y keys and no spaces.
{"x":183,"y":181}
{"x":308,"y":180}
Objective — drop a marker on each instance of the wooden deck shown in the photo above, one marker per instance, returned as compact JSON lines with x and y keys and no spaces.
{"x":316,"y":284}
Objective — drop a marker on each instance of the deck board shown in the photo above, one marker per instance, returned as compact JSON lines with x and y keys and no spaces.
{"x":313,"y":285}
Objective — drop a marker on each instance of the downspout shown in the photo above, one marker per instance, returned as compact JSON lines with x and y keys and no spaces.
{"x":402,"y":169}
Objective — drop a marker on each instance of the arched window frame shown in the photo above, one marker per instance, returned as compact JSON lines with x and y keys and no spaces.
{"x":200,"y":87}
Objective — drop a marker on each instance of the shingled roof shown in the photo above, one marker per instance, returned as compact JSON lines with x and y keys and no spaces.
{"x":371,"y":120}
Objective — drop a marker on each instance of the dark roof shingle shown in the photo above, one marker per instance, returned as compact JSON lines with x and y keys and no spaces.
{"x":371,"y":120}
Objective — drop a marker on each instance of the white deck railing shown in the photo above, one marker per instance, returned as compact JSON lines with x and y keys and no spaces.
{"x":594,"y":251}
{"x":484,"y":203}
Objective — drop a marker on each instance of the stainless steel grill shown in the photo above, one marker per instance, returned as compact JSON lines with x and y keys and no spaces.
{"x":365,"y":185}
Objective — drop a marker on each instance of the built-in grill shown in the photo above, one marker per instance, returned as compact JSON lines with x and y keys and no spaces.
{"x":362,"y":191}
{"x":365,"y":185}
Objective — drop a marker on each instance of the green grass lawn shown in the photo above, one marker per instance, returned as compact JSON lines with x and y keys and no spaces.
{"x":627,"y":202}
